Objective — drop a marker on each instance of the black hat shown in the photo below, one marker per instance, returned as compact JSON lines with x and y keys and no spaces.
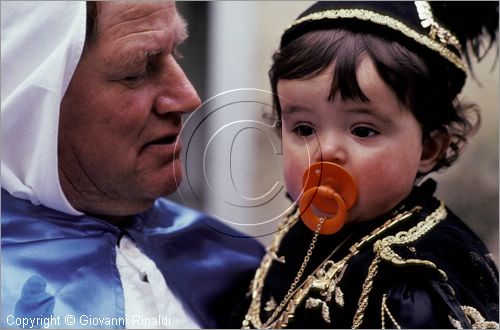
{"x":428,"y":25}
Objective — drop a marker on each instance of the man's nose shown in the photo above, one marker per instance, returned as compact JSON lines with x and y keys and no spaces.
{"x":177,"y":93}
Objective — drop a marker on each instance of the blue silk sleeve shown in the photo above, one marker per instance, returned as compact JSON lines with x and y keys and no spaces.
{"x":205,"y":263}
{"x":55,"y":265}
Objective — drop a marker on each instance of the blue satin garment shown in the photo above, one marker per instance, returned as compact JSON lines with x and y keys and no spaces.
{"x":54,"y":265}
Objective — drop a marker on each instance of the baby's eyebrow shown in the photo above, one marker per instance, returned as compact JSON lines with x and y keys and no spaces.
{"x":373,"y":113}
{"x":294,"y":109}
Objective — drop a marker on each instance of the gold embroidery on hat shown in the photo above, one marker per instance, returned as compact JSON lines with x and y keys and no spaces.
{"x":427,"y":20}
{"x":367,"y":15}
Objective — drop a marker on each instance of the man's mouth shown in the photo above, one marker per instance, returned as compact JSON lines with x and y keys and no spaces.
{"x":168,"y":144}
{"x":171,"y":139}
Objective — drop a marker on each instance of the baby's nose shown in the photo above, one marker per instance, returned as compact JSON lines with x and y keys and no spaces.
{"x":332,"y":150}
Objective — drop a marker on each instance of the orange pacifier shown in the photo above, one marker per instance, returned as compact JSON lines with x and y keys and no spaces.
{"x":330,"y":191}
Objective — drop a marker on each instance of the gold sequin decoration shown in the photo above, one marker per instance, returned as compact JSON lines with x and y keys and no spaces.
{"x":436,"y":31}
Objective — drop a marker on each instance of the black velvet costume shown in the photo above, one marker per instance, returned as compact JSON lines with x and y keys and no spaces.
{"x":426,"y":269}
{"x":418,"y":266}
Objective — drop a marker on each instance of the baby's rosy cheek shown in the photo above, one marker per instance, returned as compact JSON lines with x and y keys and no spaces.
{"x":292,"y":184}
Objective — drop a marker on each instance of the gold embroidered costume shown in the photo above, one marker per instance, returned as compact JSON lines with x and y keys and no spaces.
{"x":387,"y":273}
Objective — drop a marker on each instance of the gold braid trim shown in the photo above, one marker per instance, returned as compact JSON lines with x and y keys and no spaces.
{"x":324,"y":279}
{"x":383,"y":247}
{"x":477,"y":320}
{"x":367,"y":15}
{"x":383,"y":251}
{"x":363,"y":298}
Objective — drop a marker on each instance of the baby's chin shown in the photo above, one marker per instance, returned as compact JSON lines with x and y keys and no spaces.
{"x":354,"y":219}
{"x":293,"y":194}
{"x":354,"y":216}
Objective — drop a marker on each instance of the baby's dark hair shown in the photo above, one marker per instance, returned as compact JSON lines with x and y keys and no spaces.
{"x":420,"y":82}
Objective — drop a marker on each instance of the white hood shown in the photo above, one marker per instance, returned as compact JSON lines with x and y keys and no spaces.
{"x":41,"y":45}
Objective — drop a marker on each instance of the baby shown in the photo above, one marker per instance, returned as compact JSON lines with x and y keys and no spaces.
{"x":368,"y":91}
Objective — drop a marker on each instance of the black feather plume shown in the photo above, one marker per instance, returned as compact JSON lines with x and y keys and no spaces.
{"x":475,"y":24}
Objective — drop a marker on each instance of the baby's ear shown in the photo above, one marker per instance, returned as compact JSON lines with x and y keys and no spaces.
{"x":434,"y":148}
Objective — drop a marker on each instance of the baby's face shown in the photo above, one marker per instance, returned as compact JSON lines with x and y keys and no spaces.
{"x":379,"y":142}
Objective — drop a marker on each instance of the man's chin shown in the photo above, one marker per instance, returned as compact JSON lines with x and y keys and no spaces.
{"x":169,"y":180}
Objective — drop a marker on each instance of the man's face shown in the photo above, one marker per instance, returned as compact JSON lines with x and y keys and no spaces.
{"x":121,"y":115}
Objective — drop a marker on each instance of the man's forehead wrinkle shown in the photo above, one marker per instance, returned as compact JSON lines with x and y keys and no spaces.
{"x":125,"y":22}
{"x":136,"y":33}
{"x":155,"y":35}
{"x":137,"y":10}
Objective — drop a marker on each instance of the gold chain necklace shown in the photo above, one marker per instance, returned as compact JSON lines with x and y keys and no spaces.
{"x":253,"y":315}
{"x":297,"y":278}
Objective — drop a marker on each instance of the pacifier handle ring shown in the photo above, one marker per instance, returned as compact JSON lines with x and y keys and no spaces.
{"x":331,"y":225}
{"x":334,"y":176}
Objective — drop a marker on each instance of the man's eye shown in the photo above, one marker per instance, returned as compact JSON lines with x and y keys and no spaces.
{"x":303,"y":130}
{"x":135,"y":77}
{"x":141,"y":75}
{"x":364,"y":132}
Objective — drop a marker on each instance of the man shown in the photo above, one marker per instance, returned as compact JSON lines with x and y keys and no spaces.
{"x":92,"y":105}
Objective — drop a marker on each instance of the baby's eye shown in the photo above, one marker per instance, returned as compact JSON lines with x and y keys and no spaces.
{"x":303,"y":130}
{"x":364,"y":132}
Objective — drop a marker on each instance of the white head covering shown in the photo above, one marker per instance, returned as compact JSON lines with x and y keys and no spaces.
{"x":41,"y":45}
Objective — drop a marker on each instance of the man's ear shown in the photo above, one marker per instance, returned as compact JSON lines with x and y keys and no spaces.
{"x":434,"y":148}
